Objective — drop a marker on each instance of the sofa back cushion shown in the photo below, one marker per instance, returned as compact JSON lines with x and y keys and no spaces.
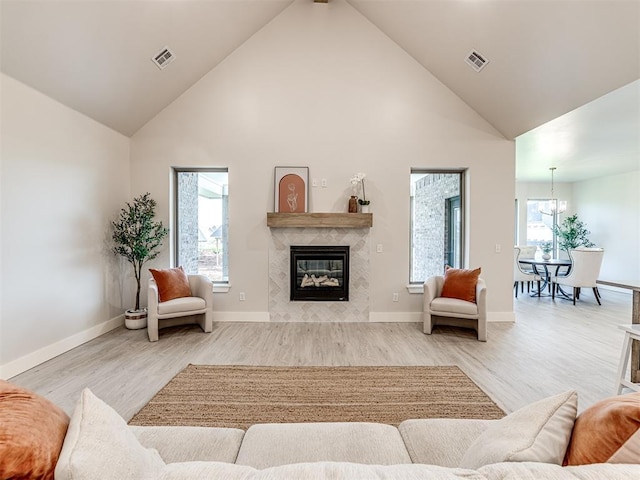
{"x":99,"y":444}
{"x":539,"y":432}
{"x":32,"y":430}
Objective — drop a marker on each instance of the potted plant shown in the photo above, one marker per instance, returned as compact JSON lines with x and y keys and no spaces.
{"x":546,"y":248}
{"x":137,"y":238}
{"x":572,"y":233}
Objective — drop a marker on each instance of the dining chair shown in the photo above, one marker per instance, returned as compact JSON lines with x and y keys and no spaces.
{"x":520,"y":275}
{"x":585,"y":269}
{"x":527,"y":251}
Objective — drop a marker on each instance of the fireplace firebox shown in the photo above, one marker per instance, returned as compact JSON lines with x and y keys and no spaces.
{"x":319,"y":273}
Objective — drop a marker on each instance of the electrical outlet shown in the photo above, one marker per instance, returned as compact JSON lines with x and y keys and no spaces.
{"x":498,"y":248}
{"x":314,"y":182}
{"x":242,"y":297}
{"x":324,"y":183}
{"x":379,"y":248}
{"x":395,"y":297}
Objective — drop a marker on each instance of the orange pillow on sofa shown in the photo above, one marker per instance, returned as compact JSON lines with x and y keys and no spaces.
{"x":172,"y":283}
{"x":607,"y":432}
{"x":32,"y":430}
{"x":460,"y":283}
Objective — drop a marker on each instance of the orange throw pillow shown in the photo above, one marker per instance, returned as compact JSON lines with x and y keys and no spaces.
{"x":32,"y":430}
{"x":172,"y":283}
{"x":460,"y":283}
{"x":607,"y":432}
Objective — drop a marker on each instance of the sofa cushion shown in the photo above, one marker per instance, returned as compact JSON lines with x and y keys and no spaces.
{"x":269,"y":445}
{"x":191,"y":444}
{"x":548,"y":471}
{"x":608,"y":431}
{"x":172,"y":283}
{"x":315,"y":471}
{"x":206,"y":471}
{"x":460,"y":283}
{"x":99,"y":441}
{"x":32,"y":430}
{"x":440,"y":441}
{"x":539,"y":432}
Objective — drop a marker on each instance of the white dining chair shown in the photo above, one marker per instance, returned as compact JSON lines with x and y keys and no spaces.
{"x":522,"y":276}
{"x":585,"y":268}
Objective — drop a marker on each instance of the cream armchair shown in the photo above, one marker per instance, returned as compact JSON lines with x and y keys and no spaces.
{"x":180,"y":311}
{"x":438,"y":310}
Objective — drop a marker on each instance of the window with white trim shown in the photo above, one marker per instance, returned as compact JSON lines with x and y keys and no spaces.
{"x":201,"y":235}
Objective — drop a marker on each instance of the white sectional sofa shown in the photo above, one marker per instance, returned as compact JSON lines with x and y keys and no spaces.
{"x":528,"y":444}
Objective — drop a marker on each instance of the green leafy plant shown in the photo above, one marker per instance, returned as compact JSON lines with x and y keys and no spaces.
{"x":572,"y":233}
{"x":546,"y":247}
{"x":137,"y":236}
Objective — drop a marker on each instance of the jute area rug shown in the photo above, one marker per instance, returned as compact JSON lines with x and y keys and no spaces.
{"x":239,"y":396}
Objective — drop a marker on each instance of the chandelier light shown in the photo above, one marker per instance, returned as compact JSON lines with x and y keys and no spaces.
{"x":553,"y":206}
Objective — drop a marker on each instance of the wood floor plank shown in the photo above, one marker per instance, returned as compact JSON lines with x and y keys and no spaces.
{"x":553,"y":346}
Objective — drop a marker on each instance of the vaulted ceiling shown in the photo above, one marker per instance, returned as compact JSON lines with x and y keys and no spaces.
{"x":546,"y":59}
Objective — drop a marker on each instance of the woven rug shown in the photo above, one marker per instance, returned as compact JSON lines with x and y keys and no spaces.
{"x":239,"y":396}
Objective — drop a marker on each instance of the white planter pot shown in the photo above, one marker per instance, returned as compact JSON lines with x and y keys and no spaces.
{"x":546,"y":256}
{"x":364,"y":208}
{"x":135,"y":319}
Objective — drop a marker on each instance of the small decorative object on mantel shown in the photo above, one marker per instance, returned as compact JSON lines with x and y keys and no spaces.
{"x":353,"y":204}
{"x":357,"y":183}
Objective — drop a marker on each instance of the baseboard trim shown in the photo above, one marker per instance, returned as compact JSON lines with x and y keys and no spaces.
{"x":395,"y":317}
{"x":33,"y":359}
{"x":241,"y":316}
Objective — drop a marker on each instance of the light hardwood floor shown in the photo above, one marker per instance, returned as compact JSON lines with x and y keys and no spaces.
{"x":552,"y":347}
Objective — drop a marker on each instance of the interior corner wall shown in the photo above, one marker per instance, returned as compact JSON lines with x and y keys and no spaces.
{"x":320,"y":86}
{"x":64,"y":178}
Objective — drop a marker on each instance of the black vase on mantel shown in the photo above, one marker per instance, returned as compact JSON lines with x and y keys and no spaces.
{"x":353,"y":204}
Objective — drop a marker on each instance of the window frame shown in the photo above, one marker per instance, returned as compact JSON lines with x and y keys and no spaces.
{"x":462,"y":172}
{"x":219,"y":286}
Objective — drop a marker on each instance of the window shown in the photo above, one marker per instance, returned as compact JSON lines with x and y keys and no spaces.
{"x":437,"y":220}
{"x":540,"y":225}
{"x":202,"y":222}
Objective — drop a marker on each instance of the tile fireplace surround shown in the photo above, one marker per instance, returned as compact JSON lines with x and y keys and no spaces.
{"x":281,"y":309}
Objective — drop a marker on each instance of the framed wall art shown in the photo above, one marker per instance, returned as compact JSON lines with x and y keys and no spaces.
{"x":291,"y":189}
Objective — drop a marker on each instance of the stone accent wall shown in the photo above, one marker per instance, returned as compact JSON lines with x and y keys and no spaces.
{"x":431,"y":223}
{"x":281,"y":309}
{"x":188,"y":221}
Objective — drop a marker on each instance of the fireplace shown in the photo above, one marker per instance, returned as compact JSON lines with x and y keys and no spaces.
{"x":319,"y":273}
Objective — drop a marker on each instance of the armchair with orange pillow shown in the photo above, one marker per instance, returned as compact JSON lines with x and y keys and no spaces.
{"x":459,"y":298}
{"x":175,"y":298}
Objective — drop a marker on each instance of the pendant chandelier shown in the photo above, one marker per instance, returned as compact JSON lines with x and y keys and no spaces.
{"x":553,"y":206}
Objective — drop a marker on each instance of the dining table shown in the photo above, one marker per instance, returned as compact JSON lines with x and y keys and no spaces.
{"x":547,"y":268}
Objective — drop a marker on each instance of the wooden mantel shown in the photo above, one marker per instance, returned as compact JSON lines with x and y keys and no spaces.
{"x":320,"y":220}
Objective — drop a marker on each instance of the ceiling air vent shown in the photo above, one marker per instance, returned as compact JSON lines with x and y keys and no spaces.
{"x":476,"y":60}
{"x":163,"y":58}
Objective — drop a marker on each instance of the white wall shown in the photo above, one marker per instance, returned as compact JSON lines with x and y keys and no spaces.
{"x":610,"y":207}
{"x":64,"y":177}
{"x":322,"y":87}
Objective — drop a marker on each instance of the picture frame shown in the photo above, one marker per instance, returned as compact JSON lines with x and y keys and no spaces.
{"x":291,"y":189}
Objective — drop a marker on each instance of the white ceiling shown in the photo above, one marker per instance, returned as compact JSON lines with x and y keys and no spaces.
{"x":546,"y":58}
